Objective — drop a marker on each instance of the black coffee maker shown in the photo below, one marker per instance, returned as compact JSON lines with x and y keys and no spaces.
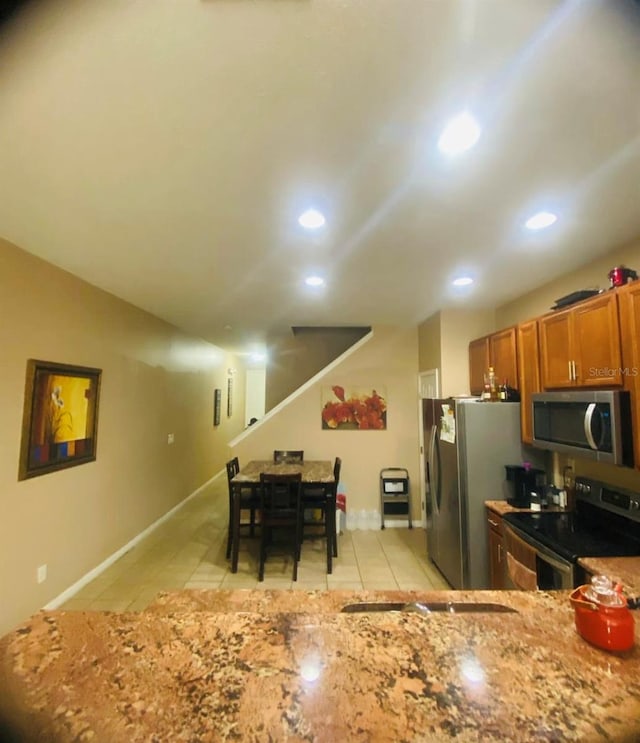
{"x":524,"y":480}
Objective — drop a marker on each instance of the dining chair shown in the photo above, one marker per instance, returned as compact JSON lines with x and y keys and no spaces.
{"x":280,"y":506}
{"x":249,"y":500}
{"x":321,"y":499}
{"x":281,"y":456}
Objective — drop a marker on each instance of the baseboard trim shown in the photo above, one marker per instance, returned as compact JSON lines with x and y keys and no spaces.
{"x":95,"y":572}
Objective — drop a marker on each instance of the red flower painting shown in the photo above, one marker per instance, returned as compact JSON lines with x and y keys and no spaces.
{"x":359,"y":410}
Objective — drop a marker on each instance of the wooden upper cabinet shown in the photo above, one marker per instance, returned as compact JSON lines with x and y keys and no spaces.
{"x":497,"y":350}
{"x":629,"y":307}
{"x":580,"y":346}
{"x":528,"y":374}
{"x":478,"y":364}
{"x":502,"y":356}
{"x":555,"y":350}
{"x":597,"y":340}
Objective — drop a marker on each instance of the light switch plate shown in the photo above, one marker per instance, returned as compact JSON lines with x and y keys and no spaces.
{"x":42,"y":574}
{"x":171,"y":438}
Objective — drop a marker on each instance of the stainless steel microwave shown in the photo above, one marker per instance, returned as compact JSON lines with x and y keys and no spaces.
{"x":586,"y":423}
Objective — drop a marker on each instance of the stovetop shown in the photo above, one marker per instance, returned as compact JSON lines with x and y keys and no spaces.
{"x":606,"y":523}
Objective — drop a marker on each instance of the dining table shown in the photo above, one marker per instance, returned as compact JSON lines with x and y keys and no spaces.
{"x":315,"y":473}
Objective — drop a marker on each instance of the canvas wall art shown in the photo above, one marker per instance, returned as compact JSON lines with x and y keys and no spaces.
{"x":60,"y":418}
{"x":354,"y":409}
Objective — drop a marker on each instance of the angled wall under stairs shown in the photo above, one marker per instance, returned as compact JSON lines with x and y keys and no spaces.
{"x":300,"y":354}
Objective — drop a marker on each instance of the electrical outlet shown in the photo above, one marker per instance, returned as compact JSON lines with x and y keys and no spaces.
{"x":42,"y":574}
{"x":171,"y":438}
{"x":571,"y":464}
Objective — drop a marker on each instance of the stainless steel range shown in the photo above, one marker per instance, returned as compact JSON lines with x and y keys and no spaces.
{"x":605,"y":523}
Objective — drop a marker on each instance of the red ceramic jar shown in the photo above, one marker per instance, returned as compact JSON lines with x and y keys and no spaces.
{"x":607,"y":627}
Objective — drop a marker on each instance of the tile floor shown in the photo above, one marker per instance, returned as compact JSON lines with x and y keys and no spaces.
{"x":188,"y":551}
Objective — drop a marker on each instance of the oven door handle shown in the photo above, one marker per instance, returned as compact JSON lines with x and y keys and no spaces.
{"x":588,"y":430}
{"x":561,"y":567}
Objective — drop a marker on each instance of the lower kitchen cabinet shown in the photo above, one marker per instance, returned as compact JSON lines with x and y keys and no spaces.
{"x":497,"y":558}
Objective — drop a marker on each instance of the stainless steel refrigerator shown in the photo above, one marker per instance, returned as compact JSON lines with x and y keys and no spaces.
{"x":468,"y":445}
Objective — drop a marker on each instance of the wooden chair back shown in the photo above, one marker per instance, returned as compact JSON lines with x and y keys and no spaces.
{"x":293,"y":456}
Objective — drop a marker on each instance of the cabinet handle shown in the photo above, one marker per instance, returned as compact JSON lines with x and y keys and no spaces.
{"x":493,"y":523}
{"x":499,"y":553}
{"x":575,"y":375}
{"x":570,"y":372}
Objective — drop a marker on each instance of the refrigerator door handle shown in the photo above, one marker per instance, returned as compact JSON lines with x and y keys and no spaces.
{"x":436,"y":471}
{"x":430,"y":457}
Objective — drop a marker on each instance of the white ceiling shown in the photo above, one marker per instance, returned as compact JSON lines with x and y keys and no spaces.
{"x":163,"y":150}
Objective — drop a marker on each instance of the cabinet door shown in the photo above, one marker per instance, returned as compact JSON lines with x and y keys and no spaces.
{"x":497,"y":569}
{"x":555,"y":350}
{"x":596,"y":343}
{"x":528,"y":374}
{"x":629,"y":305}
{"x":502,"y":353}
{"x":478,"y":364}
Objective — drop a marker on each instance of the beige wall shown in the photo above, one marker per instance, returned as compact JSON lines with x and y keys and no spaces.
{"x":458,"y":327}
{"x":429,"y":351}
{"x":390,"y":361}
{"x":155,"y":381}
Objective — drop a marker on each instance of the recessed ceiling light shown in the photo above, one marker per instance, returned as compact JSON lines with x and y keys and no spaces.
{"x":314,"y":281}
{"x":540,"y":220}
{"x":460,"y":134}
{"x":312,"y":219}
{"x":258,"y":357}
{"x":462,"y":281}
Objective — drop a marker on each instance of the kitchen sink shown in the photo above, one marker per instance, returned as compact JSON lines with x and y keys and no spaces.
{"x":427,"y":607}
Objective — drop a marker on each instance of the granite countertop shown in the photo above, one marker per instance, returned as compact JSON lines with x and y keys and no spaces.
{"x":286,"y":666}
{"x":624,"y":570}
{"x":501,"y":507}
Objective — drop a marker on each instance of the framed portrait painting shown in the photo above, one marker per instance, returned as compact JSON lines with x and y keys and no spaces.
{"x":60,"y":418}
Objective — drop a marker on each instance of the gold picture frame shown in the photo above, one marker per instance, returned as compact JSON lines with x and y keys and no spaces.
{"x":60,"y":417}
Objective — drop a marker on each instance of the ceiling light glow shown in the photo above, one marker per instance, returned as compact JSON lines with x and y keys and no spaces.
{"x":459,"y":135}
{"x":540,"y":220}
{"x":462,"y":281}
{"x":314,"y":281}
{"x":312,"y":219}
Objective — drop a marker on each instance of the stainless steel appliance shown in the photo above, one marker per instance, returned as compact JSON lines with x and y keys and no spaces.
{"x":469,"y":442}
{"x":605,"y":523}
{"x":594,"y":424}
{"x":524,"y":480}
